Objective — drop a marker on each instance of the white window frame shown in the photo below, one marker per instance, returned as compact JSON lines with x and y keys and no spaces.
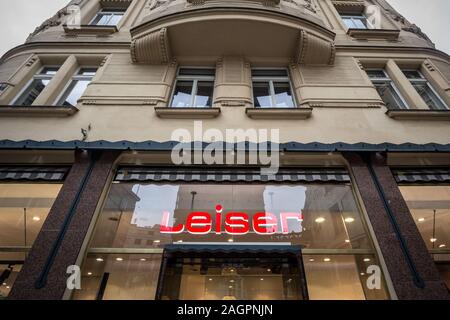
{"x":195,"y":79}
{"x":355,"y":17}
{"x":111,"y":14}
{"x":37,"y":76}
{"x":75,"y":77}
{"x":428,"y":84}
{"x":271,"y":80}
{"x":388,"y":79}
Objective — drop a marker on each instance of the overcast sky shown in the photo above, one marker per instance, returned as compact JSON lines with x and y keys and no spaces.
{"x":18,"y":18}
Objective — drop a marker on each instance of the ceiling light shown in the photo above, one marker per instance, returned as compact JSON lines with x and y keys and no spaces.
{"x":362,"y":273}
{"x":119,"y":259}
{"x":231,"y":281}
{"x":442,"y":246}
{"x":349,"y":220}
{"x":421,"y":219}
{"x":180,"y":241}
{"x":157,"y":241}
{"x":143,"y":259}
{"x":231,"y":287}
{"x":327,"y":259}
{"x":347,"y":241}
{"x":7,"y":287}
{"x":89,"y":273}
{"x":4,"y":283}
{"x":230,"y":240}
{"x":99,"y":259}
{"x":433,"y":239}
{"x":320,"y":220}
{"x":268,"y":270}
{"x":262,"y":279}
{"x":36,"y":219}
{"x":366,"y":260}
{"x":311,"y":260}
{"x":210,"y":279}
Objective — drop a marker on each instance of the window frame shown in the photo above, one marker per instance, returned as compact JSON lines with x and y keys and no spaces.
{"x":37,"y":76}
{"x":75,"y":77}
{"x":387,"y":79}
{"x":424,"y":80}
{"x":271,"y":80}
{"x":111,"y":13}
{"x":353,"y":16}
{"x":195,"y":79}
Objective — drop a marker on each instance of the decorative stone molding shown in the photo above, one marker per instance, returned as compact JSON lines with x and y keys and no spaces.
{"x":151,"y":48}
{"x":411,"y":114}
{"x":279,"y":113}
{"x":91,"y":30}
{"x":314,"y":50}
{"x":349,"y":6}
{"x":37,"y":111}
{"x":366,"y":34}
{"x":267,"y":3}
{"x":187,"y":113}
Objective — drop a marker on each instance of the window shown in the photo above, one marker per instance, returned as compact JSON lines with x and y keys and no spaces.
{"x":387,"y":89}
{"x":77,"y":86}
{"x":356,"y":21}
{"x":194,"y":88}
{"x":3,"y":86}
{"x":425,"y":90}
{"x":272,"y":88}
{"x":108,"y":17}
{"x":23,"y":210}
{"x":430,"y":207}
{"x":337,"y":247}
{"x":36,"y":86}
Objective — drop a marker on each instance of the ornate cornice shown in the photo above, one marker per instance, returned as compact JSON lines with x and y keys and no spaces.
{"x":315,"y":50}
{"x":151,"y":48}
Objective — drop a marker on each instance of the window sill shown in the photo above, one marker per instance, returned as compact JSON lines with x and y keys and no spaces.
{"x":364,"y":34}
{"x":37,"y":111}
{"x":94,"y":30}
{"x":187,"y":113}
{"x":437,"y":115}
{"x":279,"y":113}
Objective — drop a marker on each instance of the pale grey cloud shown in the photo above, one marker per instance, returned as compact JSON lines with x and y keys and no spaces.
{"x":18,"y":18}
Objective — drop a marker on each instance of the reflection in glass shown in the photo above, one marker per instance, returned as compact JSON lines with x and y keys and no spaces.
{"x":204,"y":95}
{"x":283,"y":95}
{"x":35,"y":88}
{"x":77,"y":87}
{"x":134,"y":211}
{"x":428,"y":95}
{"x":261,"y":94}
{"x":389,"y":95}
{"x":8,"y":275}
{"x":109,"y":17}
{"x":183,"y":94}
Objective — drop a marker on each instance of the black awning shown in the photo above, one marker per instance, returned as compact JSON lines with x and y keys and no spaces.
{"x":38,"y":173}
{"x":230,"y":249}
{"x":229,"y":175}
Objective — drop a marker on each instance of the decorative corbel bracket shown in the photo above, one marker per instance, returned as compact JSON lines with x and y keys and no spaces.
{"x":151,"y":48}
{"x":314,"y":50}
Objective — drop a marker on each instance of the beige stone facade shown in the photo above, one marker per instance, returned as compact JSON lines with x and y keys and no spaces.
{"x":126,"y":117}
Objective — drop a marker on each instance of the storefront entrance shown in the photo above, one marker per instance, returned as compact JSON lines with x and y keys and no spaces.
{"x":232,"y":272}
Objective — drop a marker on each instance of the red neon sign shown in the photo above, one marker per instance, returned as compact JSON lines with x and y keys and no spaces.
{"x":236,"y":223}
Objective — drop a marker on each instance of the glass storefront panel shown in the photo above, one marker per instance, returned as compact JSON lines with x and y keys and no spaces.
{"x":430,"y":208}
{"x":23,"y":210}
{"x":140,"y":220}
{"x":134,"y":213}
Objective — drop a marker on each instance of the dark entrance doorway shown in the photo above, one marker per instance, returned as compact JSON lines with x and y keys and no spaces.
{"x":232,"y":272}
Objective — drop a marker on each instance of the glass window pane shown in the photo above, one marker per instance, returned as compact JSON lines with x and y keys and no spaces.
{"x":430,"y":208}
{"x":443,"y":265}
{"x":8,"y":275}
{"x":270,"y":73}
{"x":377,"y":74}
{"x":101,"y":19}
{"x":50,"y":70}
{"x":32,"y":92}
{"x":333,"y":277}
{"x":389,"y":95}
{"x":261,"y":94}
{"x":135,"y":211}
{"x":283,"y":95}
{"x":412,"y":74}
{"x":23,"y":210}
{"x":197,"y":72}
{"x":204,"y":94}
{"x":360,"y":23}
{"x":430,"y":98}
{"x":183,"y":94}
{"x":87,"y":71}
{"x":125,"y":277}
{"x":74,"y":92}
{"x":349,"y":23}
{"x":115,"y":19}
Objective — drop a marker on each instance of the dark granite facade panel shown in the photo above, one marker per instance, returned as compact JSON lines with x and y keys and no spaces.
{"x":71,"y":244}
{"x":388,"y":240}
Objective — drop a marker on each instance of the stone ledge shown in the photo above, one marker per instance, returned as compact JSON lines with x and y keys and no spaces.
{"x":94,"y":30}
{"x":401,"y":114}
{"x":374,"y":34}
{"x":279,"y":113}
{"x":187,"y":113}
{"x":37,"y":111}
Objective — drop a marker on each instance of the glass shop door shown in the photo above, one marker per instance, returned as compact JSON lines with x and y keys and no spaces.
{"x":233,"y":273}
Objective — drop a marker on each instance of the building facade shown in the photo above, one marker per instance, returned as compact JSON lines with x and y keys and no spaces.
{"x":352,"y":100}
